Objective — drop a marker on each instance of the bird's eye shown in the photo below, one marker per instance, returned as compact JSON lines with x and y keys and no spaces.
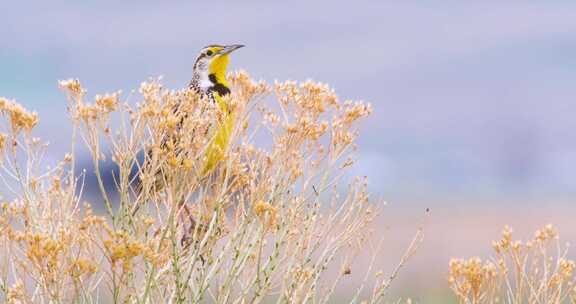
{"x":209,"y":53}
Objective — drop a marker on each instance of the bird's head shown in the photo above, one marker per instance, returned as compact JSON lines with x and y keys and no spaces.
{"x":214,"y":59}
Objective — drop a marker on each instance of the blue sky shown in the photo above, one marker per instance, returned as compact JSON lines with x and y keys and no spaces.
{"x":470,"y":100}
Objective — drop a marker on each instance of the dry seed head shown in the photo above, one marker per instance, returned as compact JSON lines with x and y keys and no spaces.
{"x":264,"y":210}
{"x":517,"y":246}
{"x":271,"y":118}
{"x":506,"y":240}
{"x":245,"y":88}
{"x":150,"y":90}
{"x":346,"y":270}
{"x":121,"y":248}
{"x":20,"y":118}
{"x":72,"y":85}
{"x":80,"y":267}
{"x":88,"y":112}
{"x":108,"y":102}
{"x":2,"y":141}
{"x":148,"y":221}
{"x":470,"y":276}
{"x":502,"y":267}
{"x":566,"y":268}
{"x":56,"y":184}
{"x":15,"y":293}
{"x":355,"y":112}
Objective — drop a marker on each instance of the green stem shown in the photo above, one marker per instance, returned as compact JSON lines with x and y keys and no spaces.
{"x":102,"y":188}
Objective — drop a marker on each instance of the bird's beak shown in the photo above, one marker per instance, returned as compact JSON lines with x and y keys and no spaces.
{"x":230,"y":48}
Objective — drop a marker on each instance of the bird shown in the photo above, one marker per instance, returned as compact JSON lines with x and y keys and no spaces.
{"x":209,"y":81}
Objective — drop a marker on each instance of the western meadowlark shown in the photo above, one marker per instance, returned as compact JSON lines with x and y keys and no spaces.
{"x":209,"y":81}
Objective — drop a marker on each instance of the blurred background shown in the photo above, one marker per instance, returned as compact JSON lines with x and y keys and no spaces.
{"x":474,"y":103}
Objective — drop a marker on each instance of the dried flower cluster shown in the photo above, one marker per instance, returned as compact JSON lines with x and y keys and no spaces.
{"x":20,"y":118}
{"x":536,"y":271}
{"x":267,"y":222}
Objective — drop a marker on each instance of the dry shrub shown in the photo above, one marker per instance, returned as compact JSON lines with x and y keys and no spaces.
{"x":536,"y":271}
{"x":265,"y":224}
